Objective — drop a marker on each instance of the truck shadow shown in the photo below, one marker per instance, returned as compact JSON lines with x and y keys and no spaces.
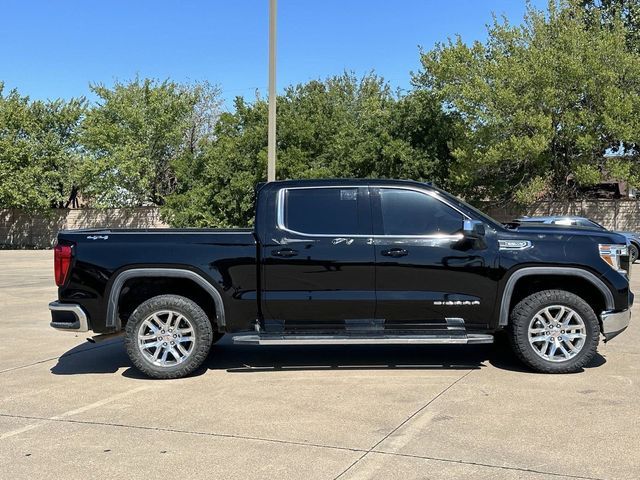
{"x":110,"y":357}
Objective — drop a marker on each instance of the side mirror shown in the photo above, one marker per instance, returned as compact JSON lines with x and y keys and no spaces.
{"x":473,"y":229}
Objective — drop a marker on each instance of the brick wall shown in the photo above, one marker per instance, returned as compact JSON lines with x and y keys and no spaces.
{"x":623,"y":215}
{"x":19,"y":229}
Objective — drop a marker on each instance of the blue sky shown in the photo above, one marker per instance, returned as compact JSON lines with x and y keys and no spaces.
{"x":51,"y":49}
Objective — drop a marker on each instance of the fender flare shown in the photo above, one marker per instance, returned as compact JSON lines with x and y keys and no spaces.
{"x":121,"y":278}
{"x":566,"y":271}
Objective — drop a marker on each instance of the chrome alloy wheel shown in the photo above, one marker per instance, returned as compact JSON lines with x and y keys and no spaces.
{"x":557,"y":333}
{"x":166,"y":338}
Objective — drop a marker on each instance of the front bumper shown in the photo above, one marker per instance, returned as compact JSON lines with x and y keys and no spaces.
{"x":69,"y":317}
{"x":614,"y":323}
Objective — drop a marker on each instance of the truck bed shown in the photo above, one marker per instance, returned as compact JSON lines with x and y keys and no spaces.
{"x":225,"y":258}
{"x":158,"y":230}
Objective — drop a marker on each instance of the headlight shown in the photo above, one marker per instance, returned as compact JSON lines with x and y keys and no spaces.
{"x":613,"y":255}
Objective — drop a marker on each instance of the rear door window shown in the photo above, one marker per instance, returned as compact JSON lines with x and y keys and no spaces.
{"x":326,"y":211}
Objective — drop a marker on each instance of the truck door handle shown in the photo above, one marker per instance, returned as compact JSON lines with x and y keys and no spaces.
{"x":285,"y":252}
{"x":395,"y":252}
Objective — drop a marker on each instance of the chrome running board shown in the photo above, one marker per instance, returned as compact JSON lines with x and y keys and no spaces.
{"x":362,"y":339}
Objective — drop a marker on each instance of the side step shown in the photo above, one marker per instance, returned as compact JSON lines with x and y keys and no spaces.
{"x":362,"y":339}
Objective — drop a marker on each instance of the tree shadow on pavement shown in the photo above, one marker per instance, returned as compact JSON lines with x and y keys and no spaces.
{"x":111,"y":356}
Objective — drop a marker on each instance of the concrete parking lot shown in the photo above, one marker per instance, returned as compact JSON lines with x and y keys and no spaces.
{"x":71,"y":409}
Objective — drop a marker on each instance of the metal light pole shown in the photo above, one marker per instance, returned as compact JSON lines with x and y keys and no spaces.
{"x":271,"y":145}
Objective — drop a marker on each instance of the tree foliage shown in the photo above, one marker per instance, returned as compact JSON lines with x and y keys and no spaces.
{"x":135,"y":133}
{"x":540,"y":102}
{"x":340,"y":127}
{"x":537,"y":110}
{"x":38,"y":150}
{"x":610,"y":12}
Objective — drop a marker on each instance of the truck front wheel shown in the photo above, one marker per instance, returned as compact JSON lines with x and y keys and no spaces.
{"x":554,"y":331}
{"x":168,"y":336}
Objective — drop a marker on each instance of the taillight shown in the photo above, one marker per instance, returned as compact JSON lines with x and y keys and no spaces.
{"x":61,"y":262}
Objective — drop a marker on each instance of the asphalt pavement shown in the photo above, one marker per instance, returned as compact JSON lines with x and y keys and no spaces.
{"x":71,"y":409}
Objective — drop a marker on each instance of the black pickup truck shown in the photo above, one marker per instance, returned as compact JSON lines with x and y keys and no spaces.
{"x":347,"y":262}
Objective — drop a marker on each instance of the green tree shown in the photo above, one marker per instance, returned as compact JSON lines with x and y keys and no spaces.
{"x":136,"y":132}
{"x":215,"y":187}
{"x":609,"y":12}
{"x":39,"y":150}
{"x":340,"y":127}
{"x":421,"y":139}
{"x":539,"y":103}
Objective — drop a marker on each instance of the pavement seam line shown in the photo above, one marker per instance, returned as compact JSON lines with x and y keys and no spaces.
{"x":188,"y":432}
{"x":404,"y":422}
{"x":290,"y":442}
{"x":64,"y":355}
{"x":488,"y":465}
{"x":75,"y":411}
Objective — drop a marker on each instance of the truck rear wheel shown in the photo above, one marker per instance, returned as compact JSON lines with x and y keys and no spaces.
{"x":554,"y":331}
{"x":168,"y":336}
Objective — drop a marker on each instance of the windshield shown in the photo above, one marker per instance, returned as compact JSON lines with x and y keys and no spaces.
{"x":595,"y":224}
{"x":465,"y":206}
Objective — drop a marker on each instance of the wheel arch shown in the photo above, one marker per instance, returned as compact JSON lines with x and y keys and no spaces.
{"x":584,"y":277}
{"x":119,"y":282}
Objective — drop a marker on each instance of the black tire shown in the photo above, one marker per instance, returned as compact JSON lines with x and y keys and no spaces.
{"x":523,"y":314}
{"x":202,"y":333}
{"x":633,"y":253}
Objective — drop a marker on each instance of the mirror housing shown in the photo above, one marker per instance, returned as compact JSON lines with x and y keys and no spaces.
{"x":473,"y":229}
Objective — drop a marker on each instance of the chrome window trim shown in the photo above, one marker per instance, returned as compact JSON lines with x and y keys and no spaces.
{"x":425,"y":192}
{"x":280,"y":213}
{"x":281,"y":205}
{"x":433,"y":236}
